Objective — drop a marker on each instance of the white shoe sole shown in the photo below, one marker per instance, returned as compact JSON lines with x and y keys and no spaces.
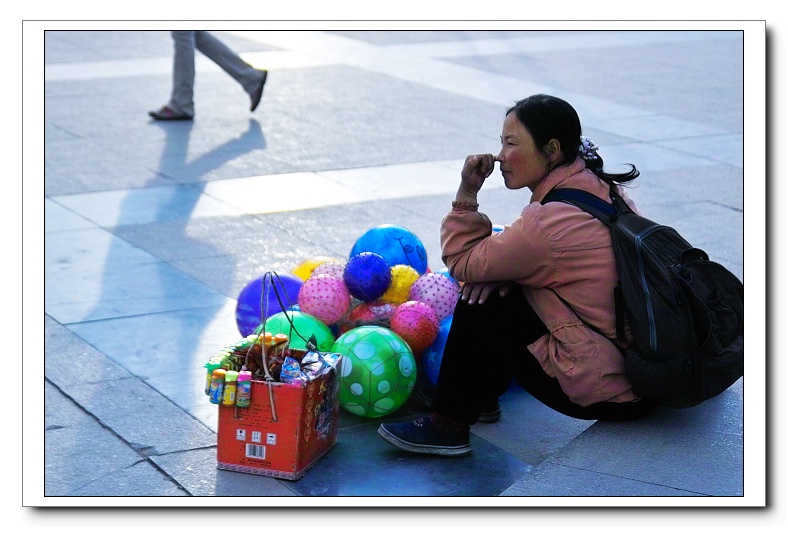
{"x":460,"y":450}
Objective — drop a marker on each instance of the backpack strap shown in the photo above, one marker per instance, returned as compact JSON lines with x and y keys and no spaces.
{"x":586,"y":201}
{"x":607,"y":214}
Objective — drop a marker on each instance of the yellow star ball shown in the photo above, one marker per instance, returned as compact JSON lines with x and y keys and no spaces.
{"x":402,"y":278}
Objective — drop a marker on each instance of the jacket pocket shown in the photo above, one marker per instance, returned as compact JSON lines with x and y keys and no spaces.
{"x":588,"y":367}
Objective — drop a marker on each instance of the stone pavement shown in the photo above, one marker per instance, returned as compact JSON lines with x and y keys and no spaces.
{"x":152,"y":230}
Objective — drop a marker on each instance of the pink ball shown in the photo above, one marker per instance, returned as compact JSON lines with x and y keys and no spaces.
{"x":437,"y":291}
{"x":334,"y":269}
{"x":324,"y":297}
{"x":417,"y":323}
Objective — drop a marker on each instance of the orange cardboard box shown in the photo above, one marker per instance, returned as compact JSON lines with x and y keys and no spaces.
{"x":285,"y":439}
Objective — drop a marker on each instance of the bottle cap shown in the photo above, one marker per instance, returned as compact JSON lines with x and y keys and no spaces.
{"x":244,"y":376}
{"x":230,"y":376}
{"x":219,"y":373}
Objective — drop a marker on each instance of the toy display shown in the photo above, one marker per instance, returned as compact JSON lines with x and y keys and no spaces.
{"x":382,"y":308}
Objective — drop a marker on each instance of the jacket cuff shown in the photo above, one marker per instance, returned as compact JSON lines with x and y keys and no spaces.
{"x":464,"y":206}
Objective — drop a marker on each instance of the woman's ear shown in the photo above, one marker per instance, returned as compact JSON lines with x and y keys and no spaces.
{"x":553,"y":150}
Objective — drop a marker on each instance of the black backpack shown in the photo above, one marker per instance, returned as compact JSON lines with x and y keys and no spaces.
{"x":685,"y":312}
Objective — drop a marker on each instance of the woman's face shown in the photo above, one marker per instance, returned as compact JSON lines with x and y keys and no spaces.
{"x":522,"y":163}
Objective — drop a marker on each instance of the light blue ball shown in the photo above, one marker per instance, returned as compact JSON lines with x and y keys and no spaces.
{"x":396,"y":244}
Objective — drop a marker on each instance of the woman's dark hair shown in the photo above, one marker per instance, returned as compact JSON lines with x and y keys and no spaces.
{"x":547,"y":117}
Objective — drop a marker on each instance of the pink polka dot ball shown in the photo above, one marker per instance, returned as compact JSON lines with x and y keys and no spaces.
{"x":334,"y":269}
{"x":324,"y":297}
{"x":437,"y":291}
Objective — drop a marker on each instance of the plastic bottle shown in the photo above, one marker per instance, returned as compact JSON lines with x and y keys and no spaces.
{"x":230,"y":388}
{"x":217,"y":386}
{"x":279,"y":346}
{"x":210,"y":366}
{"x":243,"y":397}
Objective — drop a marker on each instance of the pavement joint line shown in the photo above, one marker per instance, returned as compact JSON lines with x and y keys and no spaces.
{"x":295,"y":191}
{"x":315,"y":48}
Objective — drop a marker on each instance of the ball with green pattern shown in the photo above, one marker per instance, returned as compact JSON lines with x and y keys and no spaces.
{"x":378,"y":372}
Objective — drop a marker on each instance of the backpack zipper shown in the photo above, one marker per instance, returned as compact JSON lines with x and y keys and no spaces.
{"x":652,"y":327}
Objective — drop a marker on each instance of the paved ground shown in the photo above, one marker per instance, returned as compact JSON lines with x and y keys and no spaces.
{"x":152,"y":230}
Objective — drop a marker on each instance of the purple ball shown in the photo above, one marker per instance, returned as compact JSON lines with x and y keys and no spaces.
{"x":367,"y":276}
{"x":258,"y":299}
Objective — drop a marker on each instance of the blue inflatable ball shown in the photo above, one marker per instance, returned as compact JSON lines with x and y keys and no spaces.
{"x":432,"y":355}
{"x":367,"y":276}
{"x":258,"y":299}
{"x":445,"y":272}
{"x":396,"y":244}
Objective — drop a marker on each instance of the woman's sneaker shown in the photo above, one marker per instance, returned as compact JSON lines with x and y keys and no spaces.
{"x":490,"y":413}
{"x":432,"y":434}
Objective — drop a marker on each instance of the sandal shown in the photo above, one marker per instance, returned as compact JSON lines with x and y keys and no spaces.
{"x":165,"y":113}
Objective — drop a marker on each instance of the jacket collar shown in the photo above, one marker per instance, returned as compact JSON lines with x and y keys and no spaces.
{"x":557,"y":176}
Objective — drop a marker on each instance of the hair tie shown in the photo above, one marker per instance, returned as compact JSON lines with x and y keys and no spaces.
{"x":587,"y":149}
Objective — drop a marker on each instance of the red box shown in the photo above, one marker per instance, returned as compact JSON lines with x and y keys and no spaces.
{"x":286,"y":440}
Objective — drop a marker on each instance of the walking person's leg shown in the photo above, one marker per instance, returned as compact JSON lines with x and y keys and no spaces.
{"x":182,"y":99}
{"x":181,"y":103}
{"x":251,"y":79}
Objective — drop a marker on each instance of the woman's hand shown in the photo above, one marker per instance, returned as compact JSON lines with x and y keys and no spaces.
{"x":478,"y":292}
{"x":476,"y":169}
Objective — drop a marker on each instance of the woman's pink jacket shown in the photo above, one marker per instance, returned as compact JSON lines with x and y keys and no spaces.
{"x":554,"y":251}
